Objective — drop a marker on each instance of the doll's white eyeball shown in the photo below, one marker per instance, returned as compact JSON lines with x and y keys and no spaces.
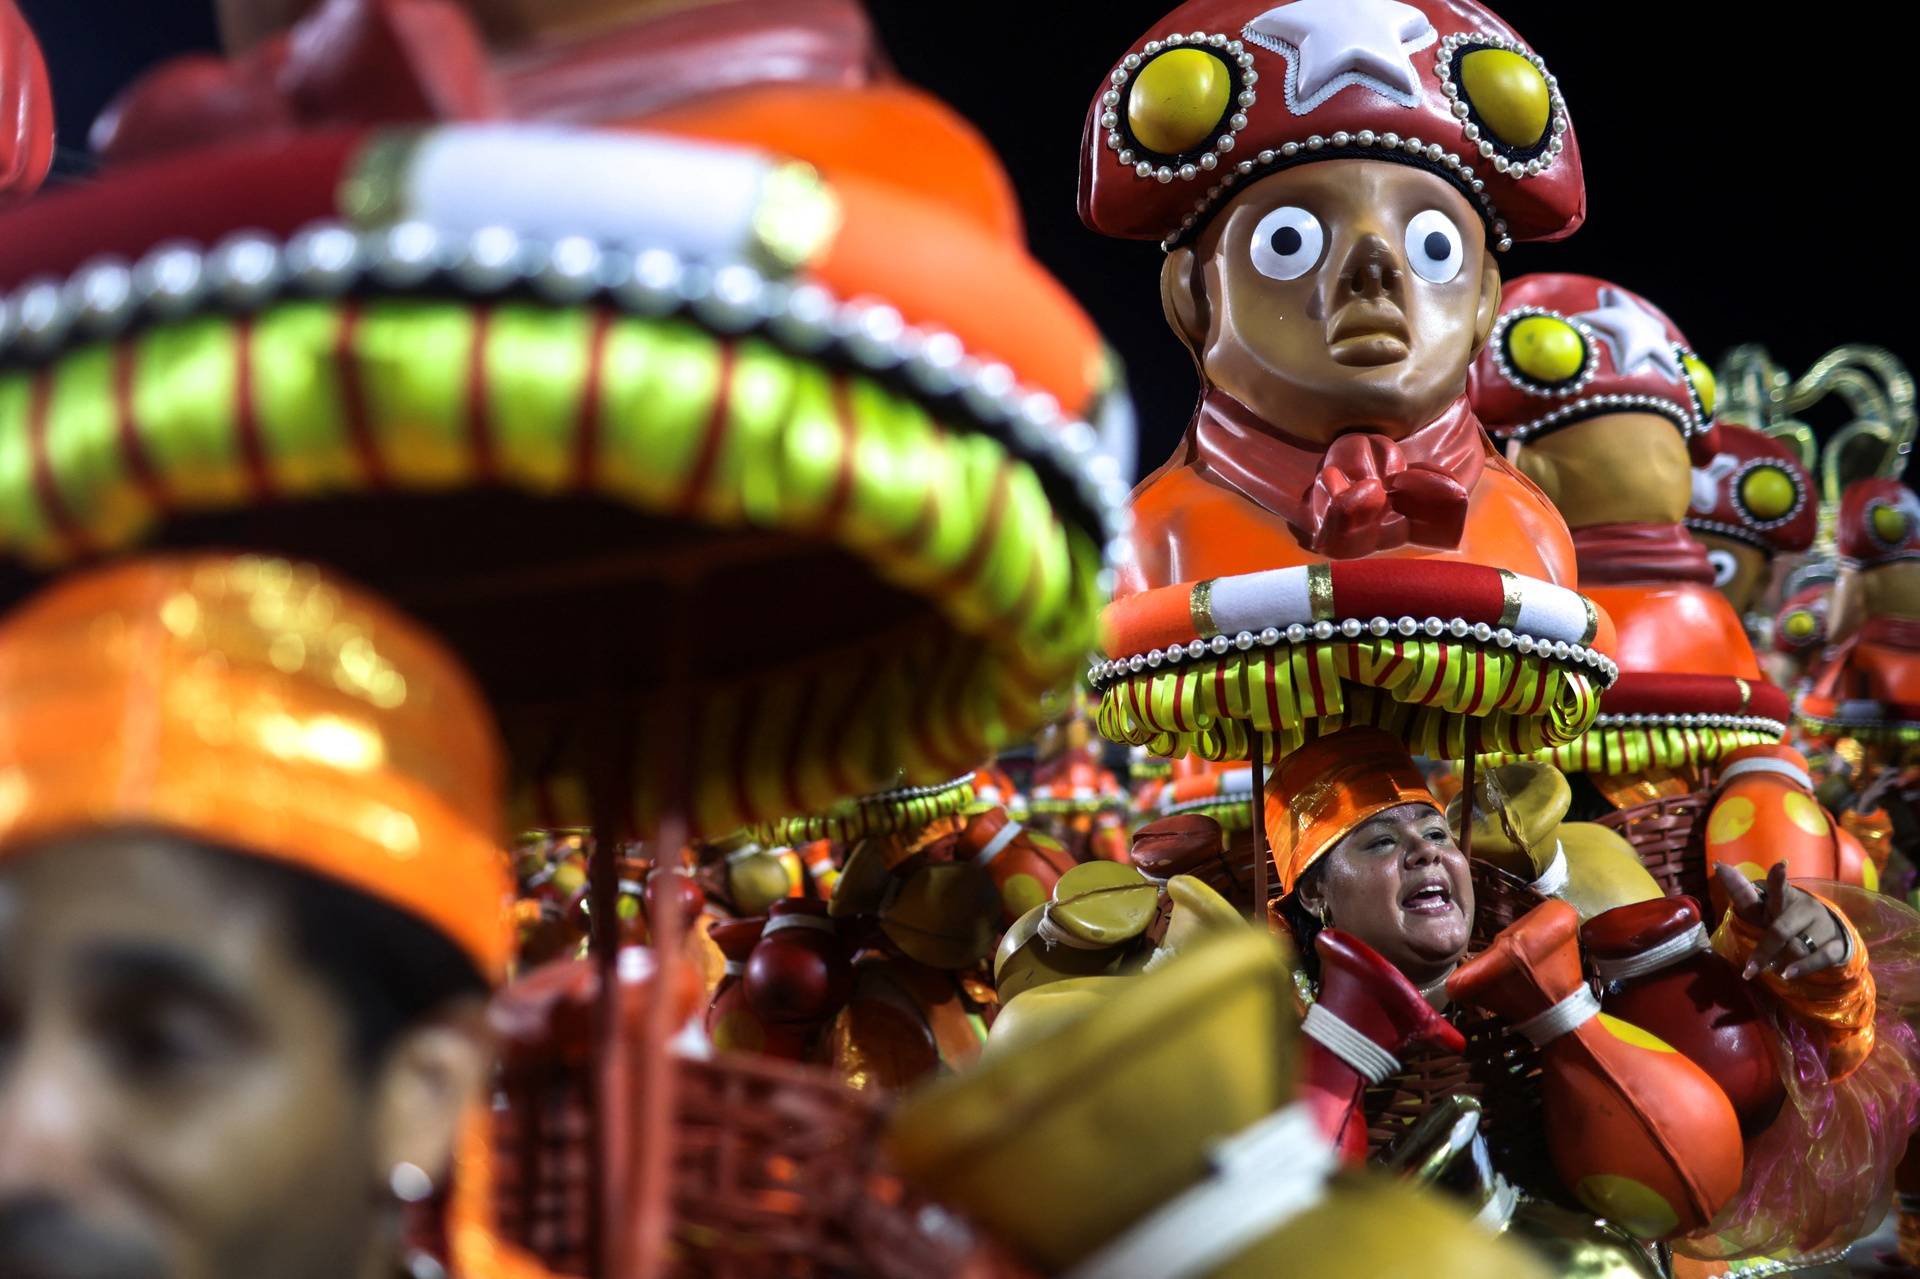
{"x":1287,"y":243}
{"x":1724,"y":566}
{"x":1434,"y":250}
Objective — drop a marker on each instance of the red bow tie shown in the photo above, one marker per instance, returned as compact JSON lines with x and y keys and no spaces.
{"x":1367,"y":498}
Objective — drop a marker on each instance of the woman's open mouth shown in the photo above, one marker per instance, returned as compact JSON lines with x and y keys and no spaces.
{"x":1428,"y":899}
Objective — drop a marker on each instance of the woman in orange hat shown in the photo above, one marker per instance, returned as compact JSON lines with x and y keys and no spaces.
{"x":1364,"y":855}
{"x":251,"y":905}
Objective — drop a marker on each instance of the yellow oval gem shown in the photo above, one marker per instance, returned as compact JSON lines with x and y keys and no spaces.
{"x":1177,"y":100}
{"x":1509,"y":94}
{"x":1704,"y":384}
{"x":1800,"y":624}
{"x":1889,"y":524}
{"x":1767,"y":492}
{"x":1546,"y":348}
{"x":1804,"y":813}
{"x":1732,"y":818}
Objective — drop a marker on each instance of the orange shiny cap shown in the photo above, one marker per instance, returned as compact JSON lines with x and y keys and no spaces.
{"x":1331,"y":785}
{"x":258,"y":704}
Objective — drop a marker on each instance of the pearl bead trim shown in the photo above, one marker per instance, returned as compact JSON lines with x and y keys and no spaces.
{"x":1430,"y":155}
{"x":1103,"y":674}
{"x":248,"y":271}
{"x":1686,"y":419}
{"x":1720,"y":723}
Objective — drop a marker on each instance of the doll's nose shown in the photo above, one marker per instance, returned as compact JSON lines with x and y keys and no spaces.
{"x":1370,"y":270}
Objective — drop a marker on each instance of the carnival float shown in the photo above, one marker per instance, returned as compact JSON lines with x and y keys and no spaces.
{"x":1454,"y":816}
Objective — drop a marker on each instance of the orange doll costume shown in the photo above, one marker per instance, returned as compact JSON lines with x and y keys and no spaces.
{"x":1571,"y":348}
{"x":350,"y":745}
{"x":704,"y":304}
{"x":1406,"y":576}
{"x":1866,"y":684}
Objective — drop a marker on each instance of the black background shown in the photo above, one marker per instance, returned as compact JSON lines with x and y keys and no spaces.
{"x":1749,"y":168}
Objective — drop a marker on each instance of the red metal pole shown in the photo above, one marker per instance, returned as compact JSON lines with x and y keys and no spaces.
{"x":1259,"y":801}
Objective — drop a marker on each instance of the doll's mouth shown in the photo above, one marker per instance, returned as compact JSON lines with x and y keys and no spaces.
{"x":1368,"y":336}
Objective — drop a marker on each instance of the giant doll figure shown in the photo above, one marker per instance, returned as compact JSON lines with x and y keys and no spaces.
{"x":1331,"y":186}
{"x":1608,"y":409}
{"x":1332,"y":181}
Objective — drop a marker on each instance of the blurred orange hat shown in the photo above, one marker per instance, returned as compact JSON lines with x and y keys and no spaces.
{"x":259,"y":705}
{"x":1328,"y":787}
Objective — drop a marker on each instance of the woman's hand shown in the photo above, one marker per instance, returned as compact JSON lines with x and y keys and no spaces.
{"x":1798,"y":934}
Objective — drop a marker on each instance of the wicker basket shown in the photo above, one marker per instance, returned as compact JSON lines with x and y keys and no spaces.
{"x":1499,"y":1069}
{"x":1670,"y":837}
{"x":777,"y":1170}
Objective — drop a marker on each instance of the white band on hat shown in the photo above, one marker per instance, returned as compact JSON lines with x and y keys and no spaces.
{"x":1571,"y":1013}
{"x":1262,"y":1179}
{"x":1761,"y":764}
{"x":1553,"y":880}
{"x":995,"y":846}
{"x":1651,"y":960}
{"x":1328,"y":1029}
{"x":780,"y":923}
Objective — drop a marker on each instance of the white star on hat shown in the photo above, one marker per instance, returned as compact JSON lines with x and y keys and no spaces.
{"x":1633,"y":334}
{"x":1330,"y":44}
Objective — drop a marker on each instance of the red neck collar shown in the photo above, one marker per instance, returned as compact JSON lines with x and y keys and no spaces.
{"x":1361,"y":494}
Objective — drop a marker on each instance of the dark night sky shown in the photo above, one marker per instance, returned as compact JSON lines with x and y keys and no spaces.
{"x":1743,"y":173}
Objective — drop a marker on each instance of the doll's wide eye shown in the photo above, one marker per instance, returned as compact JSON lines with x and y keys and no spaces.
{"x":1287,"y":243}
{"x":1724,"y":566}
{"x":1434,"y":250}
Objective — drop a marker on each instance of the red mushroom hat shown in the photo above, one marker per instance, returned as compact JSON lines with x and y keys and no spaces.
{"x":1571,"y":347}
{"x":1220,"y":93}
{"x":1754,"y":490}
{"x":1879,"y":523}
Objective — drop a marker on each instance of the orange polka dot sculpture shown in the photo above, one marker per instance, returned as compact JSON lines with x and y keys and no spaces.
{"x":1639,"y":1133}
{"x":1765,"y":812}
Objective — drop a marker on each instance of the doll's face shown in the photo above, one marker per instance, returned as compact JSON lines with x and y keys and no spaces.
{"x":1614,"y":468}
{"x":1399,"y":883}
{"x":1339,"y":294}
{"x":1739,"y":571}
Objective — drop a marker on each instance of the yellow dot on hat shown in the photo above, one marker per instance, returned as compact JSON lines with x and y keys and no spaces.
{"x":1704,"y":384}
{"x":1767,"y":492}
{"x":1177,"y":100}
{"x":1800,"y":624}
{"x":1546,"y":348}
{"x":1889,"y":524}
{"x":1509,"y":94}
